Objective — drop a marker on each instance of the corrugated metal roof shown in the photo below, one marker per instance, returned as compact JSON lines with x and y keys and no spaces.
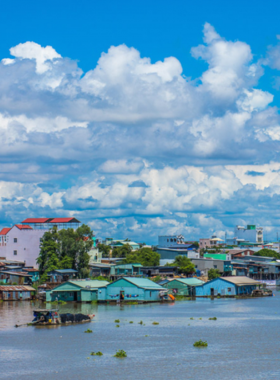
{"x":4,"y":231}
{"x":241,"y":280}
{"x":91,"y":283}
{"x":22,"y":274}
{"x":143,"y":283}
{"x":15,"y":288}
{"x":64,"y":271}
{"x":23,"y":227}
{"x":64,"y":220}
{"x":36,"y":220}
{"x":189,"y":281}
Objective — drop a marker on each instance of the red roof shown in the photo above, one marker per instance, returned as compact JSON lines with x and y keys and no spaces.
{"x":21,"y":227}
{"x":36,"y":220}
{"x":4,"y":231}
{"x":64,"y":220}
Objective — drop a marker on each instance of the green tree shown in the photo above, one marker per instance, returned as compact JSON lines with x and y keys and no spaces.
{"x":213,"y":273}
{"x":122,"y":251}
{"x":184,"y":265}
{"x":268,"y":253}
{"x":65,"y":249}
{"x":104,"y":249}
{"x":145,"y":256}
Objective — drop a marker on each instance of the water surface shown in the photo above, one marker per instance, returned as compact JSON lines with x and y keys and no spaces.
{"x":244,"y":342}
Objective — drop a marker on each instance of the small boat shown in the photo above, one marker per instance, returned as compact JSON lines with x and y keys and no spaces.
{"x":52,"y":317}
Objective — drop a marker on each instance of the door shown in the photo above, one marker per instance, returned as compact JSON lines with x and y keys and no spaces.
{"x":212,"y":292}
{"x":75,"y":296}
{"x":122,"y":295}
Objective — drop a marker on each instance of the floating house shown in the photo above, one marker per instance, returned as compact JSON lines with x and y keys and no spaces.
{"x":227,"y":287}
{"x":126,"y":270}
{"x":62,"y":275}
{"x":76,"y":290}
{"x":183,"y":286}
{"x":12,"y":277}
{"x":131,"y":289}
{"x":16,"y":292}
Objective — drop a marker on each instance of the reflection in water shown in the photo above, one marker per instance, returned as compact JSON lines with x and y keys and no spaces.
{"x":243,"y":343}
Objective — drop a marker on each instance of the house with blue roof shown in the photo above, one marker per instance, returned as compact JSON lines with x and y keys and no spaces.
{"x":131,"y":289}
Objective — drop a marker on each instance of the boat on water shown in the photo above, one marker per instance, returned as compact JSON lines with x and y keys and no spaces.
{"x":52,"y":317}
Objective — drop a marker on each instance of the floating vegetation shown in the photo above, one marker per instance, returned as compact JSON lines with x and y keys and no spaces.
{"x":140,"y":323}
{"x":93,"y":302}
{"x":192,"y":318}
{"x":131,"y":303}
{"x":146,"y":335}
{"x":59,"y":302}
{"x":200,"y":318}
{"x":117,"y":321}
{"x":131,"y":322}
{"x":98,"y":353}
{"x":117,"y":325}
{"x":213,"y":319}
{"x":88,"y":331}
{"x":120,"y":354}
{"x":180,"y":298}
{"x":200,"y":343}
{"x":155,"y":323}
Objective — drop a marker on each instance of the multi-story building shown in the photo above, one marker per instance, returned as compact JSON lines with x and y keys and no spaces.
{"x":22,"y":241}
{"x":209,"y":243}
{"x":251,"y":234}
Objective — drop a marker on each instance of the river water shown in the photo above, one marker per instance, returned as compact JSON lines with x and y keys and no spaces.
{"x":243,"y":343}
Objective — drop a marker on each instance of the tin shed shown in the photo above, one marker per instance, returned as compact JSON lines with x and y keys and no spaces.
{"x":131,"y":289}
{"x":79,"y":290}
{"x":16,"y":292}
{"x":227,"y":287}
{"x":183,"y":286}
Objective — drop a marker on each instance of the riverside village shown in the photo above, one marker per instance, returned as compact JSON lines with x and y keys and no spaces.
{"x":60,"y":260}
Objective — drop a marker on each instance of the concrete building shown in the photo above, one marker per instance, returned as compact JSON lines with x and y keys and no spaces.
{"x":209,"y":243}
{"x":249,"y":234}
{"x":171,"y":241}
{"x":22,"y":241}
{"x":203,"y":265}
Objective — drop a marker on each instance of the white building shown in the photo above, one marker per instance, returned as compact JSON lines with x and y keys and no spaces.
{"x":169,"y":241}
{"x":251,"y":233}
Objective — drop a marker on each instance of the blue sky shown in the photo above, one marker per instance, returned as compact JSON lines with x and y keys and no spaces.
{"x":141,"y":118}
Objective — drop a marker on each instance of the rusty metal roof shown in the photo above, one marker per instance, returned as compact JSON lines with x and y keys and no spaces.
{"x":16,"y":288}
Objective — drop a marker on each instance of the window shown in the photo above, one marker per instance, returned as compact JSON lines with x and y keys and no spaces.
{"x":229,"y":290}
{"x":15,"y":240}
{"x":15,"y":253}
{"x":168,"y":240}
{"x":215,"y":266}
{"x":150,"y":294}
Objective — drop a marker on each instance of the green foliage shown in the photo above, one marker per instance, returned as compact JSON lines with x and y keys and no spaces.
{"x":145,"y":256}
{"x":120,"y":354}
{"x":156,"y":279}
{"x":104,"y":249}
{"x":200,"y":343}
{"x":184,"y":265}
{"x":268,"y":253}
{"x":213,"y":273}
{"x":122,"y":251}
{"x":117,"y":321}
{"x":117,"y":325}
{"x":98,"y":353}
{"x":155,"y":323}
{"x":140,"y":323}
{"x":131,"y":303}
{"x":88,"y":331}
{"x":59,"y":302}
{"x":131,"y":322}
{"x":101,"y":278}
{"x":65,"y":249}
{"x":213,"y":319}
{"x":196,"y":244}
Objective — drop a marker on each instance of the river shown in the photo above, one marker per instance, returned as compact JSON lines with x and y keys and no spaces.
{"x":243,"y":343}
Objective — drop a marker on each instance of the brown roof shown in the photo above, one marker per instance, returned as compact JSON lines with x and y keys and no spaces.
{"x":241,"y":280}
{"x":30,"y":270}
{"x":16,"y":273}
{"x":14,"y":288}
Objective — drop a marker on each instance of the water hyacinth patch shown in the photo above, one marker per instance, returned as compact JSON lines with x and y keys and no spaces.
{"x":155,"y":323}
{"x":88,"y":331}
{"x":117,"y":325}
{"x":141,"y":323}
{"x":200,"y":343}
{"x":120,"y":354}
{"x":117,"y":321}
{"x":98,"y":353}
{"x":131,"y":322}
{"x":213,"y":319}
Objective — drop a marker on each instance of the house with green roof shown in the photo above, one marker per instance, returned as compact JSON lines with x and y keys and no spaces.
{"x":134,"y":289}
{"x":183,"y":286}
{"x":76,"y":290}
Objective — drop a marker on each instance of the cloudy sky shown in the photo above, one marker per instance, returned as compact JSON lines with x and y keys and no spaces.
{"x":171,"y":127}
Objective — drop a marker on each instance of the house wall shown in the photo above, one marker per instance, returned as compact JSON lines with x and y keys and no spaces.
{"x":15,"y":295}
{"x":182,"y":289}
{"x":27,"y":246}
{"x":223,"y":288}
{"x":170,"y":254}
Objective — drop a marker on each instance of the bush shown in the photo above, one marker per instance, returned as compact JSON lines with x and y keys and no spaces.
{"x":120,"y":354}
{"x":200,"y":343}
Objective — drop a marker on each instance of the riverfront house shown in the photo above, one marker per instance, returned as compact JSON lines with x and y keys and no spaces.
{"x":76,"y":290}
{"x":183,"y":286}
{"x":16,"y":292}
{"x":227,"y":287}
{"x":62,"y":275}
{"x":131,"y":289}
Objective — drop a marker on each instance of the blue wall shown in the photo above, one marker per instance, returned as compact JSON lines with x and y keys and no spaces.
{"x":223,"y":288}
